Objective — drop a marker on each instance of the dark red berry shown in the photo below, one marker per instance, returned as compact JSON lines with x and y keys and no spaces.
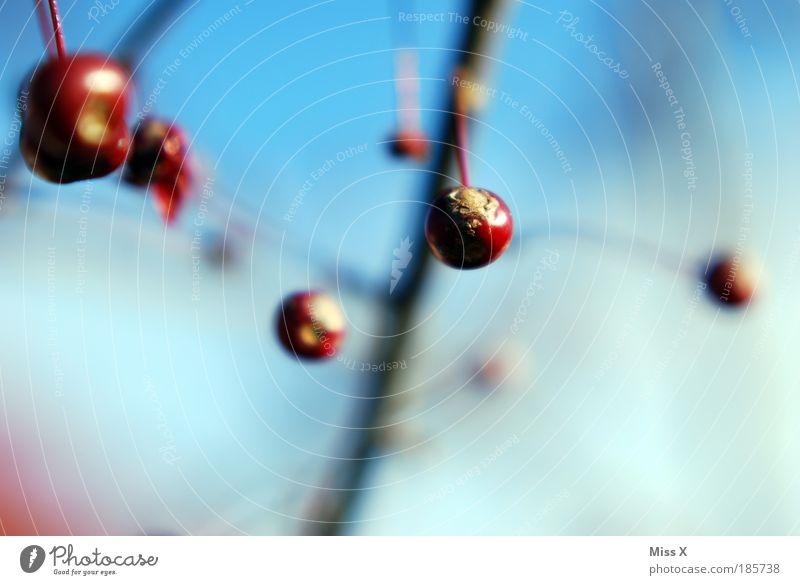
{"x":410,"y":143}
{"x":159,"y":159}
{"x":310,"y":325}
{"x":730,"y":281}
{"x":74,"y":125}
{"x":468,"y":227}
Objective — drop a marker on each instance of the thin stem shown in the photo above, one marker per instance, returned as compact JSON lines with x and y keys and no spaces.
{"x":346,"y":277}
{"x":461,"y":139}
{"x":637,"y":247}
{"x":57,"y":29}
{"x":44,"y":26}
{"x":407,"y":87}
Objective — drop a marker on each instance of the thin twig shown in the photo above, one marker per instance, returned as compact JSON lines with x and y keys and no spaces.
{"x":59,"y":35}
{"x":43,"y":17}
{"x":461,"y":139}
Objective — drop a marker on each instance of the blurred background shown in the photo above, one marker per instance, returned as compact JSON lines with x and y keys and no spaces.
{"x":583,"y":384}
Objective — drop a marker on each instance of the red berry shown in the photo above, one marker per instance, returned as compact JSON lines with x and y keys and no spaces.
{"x":730,"y":282}
{"x":159,"y":158}
{"x":310,"y":325}
{"x":74,"y":124}
{"x":410,"y":143}
{"x":468,"y":227}
{"x":507,"y":368}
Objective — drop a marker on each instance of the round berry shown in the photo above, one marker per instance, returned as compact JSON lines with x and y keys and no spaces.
{"x":310,"y":325}
{"x":74,"y":124}
{"x":509,"y":368}
{"x":730,"y":282}
{"x":159,"y":159}
{"x":468,"y":227}
{"x":410,"y":143}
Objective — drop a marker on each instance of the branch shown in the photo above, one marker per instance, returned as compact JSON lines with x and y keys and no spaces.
{"x":336,"y":501}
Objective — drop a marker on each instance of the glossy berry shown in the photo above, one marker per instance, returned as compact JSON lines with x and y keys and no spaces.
{"x":468,"y":227}
{"x":74,"y":125}
{"x":310,"y":325}
{"x":410,"y":143}
{"x":159,"y":159}
{"x":730,"y":282}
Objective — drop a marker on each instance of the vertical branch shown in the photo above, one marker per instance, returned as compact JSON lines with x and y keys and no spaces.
{"x":43,"y":17}
{"x":336,"y":501}
{"x":137,"y":39}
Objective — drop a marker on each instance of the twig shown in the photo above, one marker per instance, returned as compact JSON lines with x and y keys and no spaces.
{"x":59,"y":35}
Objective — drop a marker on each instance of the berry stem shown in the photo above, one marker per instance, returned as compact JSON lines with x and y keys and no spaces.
{"x":44,"y":25}
{"x":57,"y":29}
{"x":407,"y":87}
{"x":461,"y":138}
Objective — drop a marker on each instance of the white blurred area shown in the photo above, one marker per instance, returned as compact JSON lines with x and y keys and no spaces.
{"x":142,"y":387}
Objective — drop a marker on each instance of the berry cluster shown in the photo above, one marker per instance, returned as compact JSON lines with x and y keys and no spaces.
{"x":75,"y":129}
